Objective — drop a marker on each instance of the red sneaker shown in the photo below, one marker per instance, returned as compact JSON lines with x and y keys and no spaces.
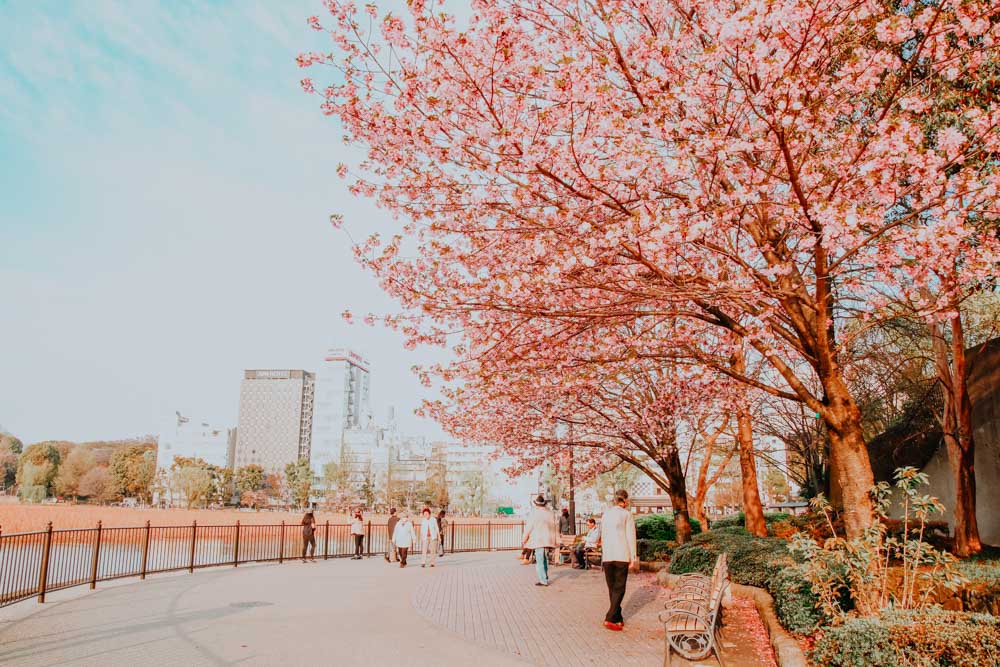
{"x":617,"y":627}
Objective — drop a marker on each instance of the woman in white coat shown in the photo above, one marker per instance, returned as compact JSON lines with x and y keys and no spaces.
{"x":429,"y":535}
{"x":404,"y":537}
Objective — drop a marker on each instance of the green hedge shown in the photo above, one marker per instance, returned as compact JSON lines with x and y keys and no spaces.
{"x":740,"y":519}
{"x":928,"y":638}
{"x":650,"y":550}
{"x":660,"y":527}
{"x":764,"y":562}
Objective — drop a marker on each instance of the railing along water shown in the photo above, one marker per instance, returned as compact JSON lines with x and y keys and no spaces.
{"x":33,"y":564}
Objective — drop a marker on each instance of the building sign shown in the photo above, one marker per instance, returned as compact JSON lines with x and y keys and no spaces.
{"x":341,"y":354}
{"x":272,"y":375}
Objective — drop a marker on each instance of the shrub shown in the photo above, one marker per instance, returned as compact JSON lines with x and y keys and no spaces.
{"x":660,"y":527}
{"x":740,"y":519}
{"x":917,"y":638}
{"x":764,"y":562}
{"x":865,"y":567}
{"x":650,"y":550}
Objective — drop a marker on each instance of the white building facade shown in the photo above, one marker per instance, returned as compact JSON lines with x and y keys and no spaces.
{"x":191,"y":437}
{"x":343,"y":403}
{"x":276,"y":418}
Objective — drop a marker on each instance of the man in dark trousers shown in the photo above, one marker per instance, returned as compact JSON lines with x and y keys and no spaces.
{"x":619,"y":555}
{"x":392,"y":554}
{"x":309,"y":535}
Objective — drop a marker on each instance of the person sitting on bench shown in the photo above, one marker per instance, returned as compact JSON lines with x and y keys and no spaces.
{"x":590,"y":542}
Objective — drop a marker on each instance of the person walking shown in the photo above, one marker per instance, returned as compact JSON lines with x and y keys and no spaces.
{"x":589,"y":542}
{"x":540,"y":533}
{"x":404,"y":537}
{"x":618,"y":555}
{"x":390,"y":526}
{"x":565,"y":523}
{"x":442,"y":523}
{"x":358,"y":531}
{"x":309,"y":535}
{"x":429,"y":537}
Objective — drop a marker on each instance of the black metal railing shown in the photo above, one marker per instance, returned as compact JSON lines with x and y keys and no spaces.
{"x":33,"y":564}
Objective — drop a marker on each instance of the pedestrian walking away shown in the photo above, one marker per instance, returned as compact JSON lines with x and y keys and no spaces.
{"x":404,"y":537}
{"x":618,"y":555}
{"x":391,"y":553}
{"x":309,"y":535}
{"x":442,"y":531}
{"x":540,"y":533}
{"x":589,"y":542}
{"x":358,"y":531}
{"x":429,"y":534}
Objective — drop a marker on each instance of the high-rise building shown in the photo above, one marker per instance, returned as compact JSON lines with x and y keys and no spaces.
{"x":343,"y":403}
{"x":276,"y":418}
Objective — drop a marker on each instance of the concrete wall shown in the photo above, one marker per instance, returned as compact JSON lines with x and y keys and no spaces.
{"x":984,"y":388}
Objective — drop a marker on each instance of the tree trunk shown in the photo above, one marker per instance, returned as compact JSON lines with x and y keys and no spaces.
{"x":677,"y":490}
{"x":752,"y":507}
{"x":851,"y":478}
{"x":956,"y":427}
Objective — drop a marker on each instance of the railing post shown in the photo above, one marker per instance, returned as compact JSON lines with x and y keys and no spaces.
{"x":326,"y":541}
{"x":281,"y":544}
{"x":96,"y":557}
{"x":453,"y":537}
{"x":194,"y":537}
{"x":368,"y":538}
{"x":236,"y":548}
{"x":43,"y":571}
{"x":489,"y":536}
{"x":145,"y":552}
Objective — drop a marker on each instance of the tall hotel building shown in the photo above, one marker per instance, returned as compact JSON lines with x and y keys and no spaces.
{"x":343,"y":402}
{"x":276,"y":418}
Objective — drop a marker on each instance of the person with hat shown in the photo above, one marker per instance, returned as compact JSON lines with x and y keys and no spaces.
{"x":540,"y":533}
{"x":309,"y":535}
{"x":618,"y":555}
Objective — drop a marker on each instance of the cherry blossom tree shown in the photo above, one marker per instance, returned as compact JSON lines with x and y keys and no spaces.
{"x":745,"y":175}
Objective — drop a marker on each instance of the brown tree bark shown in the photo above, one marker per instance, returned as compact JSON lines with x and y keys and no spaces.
{"x":672,"y":469}
{"x":851,"y":478}
{"x":753,"y":510}
{"x":956,"y":427}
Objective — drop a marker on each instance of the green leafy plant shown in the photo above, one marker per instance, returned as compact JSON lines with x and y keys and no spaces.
{"x":878,"y":571}
{"x":652,"y":550}
{"x":660,"y":527}
{"x":914,"y":638}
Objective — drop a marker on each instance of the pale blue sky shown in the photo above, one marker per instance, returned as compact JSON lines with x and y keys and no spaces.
{"x":165,"y":189}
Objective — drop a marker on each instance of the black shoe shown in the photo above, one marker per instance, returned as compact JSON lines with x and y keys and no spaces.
{"x":538,"y":583}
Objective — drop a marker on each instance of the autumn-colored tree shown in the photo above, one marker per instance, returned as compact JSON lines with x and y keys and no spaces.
{"x":194,"y":483}
{"x":132,"y":469}
{"x":96,"y":485}
{"x":77,"y":463}
{"x":36,"y":469}
{"x":249,"y":478}
{"x":10,"y":443}
{"x":299,"y":478}
{"x":568,"y":171}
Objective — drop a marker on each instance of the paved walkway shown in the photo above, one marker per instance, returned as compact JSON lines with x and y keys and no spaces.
{"x":471,"y":608}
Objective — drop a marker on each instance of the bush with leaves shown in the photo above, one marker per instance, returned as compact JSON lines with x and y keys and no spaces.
{"x":654,"y":550}
{"x":660,"y":527}
{"x":739,"y":519}
{"x":764,"y":562}
{"x":877,"y":571}
{"x":913,"y":638}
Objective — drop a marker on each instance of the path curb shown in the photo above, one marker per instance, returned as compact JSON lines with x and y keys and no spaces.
{"x":787,"y":651}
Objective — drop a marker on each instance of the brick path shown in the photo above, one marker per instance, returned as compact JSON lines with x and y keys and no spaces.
{"x":472,"y":609}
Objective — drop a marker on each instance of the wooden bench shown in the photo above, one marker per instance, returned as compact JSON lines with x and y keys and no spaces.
{"x":692,"y":620}
{"x":567,"y":544}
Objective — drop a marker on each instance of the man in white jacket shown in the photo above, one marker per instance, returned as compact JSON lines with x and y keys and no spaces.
{"x":540,"y":532}
{"x":618,"y":555}
{"x":429,"y":534}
